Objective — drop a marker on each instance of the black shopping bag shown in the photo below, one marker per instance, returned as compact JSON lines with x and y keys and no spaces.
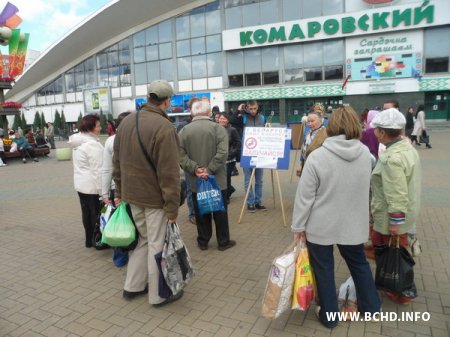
{"x":424,"y":138}
{"x":394,"y":271}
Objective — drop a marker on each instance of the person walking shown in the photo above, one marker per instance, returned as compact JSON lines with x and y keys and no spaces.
{"x":409,"y":127}
{"x":337,"y":175}
{"x":251,"y":117}
{"x":204,"y":151}
{"x":420,"y":129}
{"x":146,"y":172}
{"x":396,"y":185}
{"x":87,"y":152}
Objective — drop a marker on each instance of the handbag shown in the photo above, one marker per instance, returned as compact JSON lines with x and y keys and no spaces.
{"x":176,"y":263}
{"x":209,"y":196}
{"x":183,"y":192}
{"x":394,"y":271}
{"x":424,"y":138}
{"x":97,"y":234}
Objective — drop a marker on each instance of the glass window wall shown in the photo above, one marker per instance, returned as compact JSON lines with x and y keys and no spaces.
{"x":437,"y":49}
{"x":153,"y":72}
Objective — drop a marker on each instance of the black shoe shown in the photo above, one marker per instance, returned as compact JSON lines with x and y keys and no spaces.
{"x":429,"y":146}
{"x":203,"y":247}
{"x":36,"y":160}
{"x":418,"y":143}
{"x":251,"y":208}
{"x":171,"y":299}
{"x":129,"y":295}
{"x":261,"y":207}
{"x":230,"y":244}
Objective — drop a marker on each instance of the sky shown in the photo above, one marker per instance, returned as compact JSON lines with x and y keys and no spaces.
{"x":49,"y":20}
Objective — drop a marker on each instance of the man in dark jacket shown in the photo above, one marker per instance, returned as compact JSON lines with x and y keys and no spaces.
{"x":150,"y":185}
{"x":253,"y":118}
{"x":204,"y":151}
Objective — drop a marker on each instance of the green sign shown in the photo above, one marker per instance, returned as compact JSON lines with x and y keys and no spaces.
{"x":346,"y":25}
{"x":365,"y":22}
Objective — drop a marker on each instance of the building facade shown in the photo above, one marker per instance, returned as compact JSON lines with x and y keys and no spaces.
{"x":287,"y":54}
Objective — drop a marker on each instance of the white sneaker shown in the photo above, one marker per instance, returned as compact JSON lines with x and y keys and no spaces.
{"x":24,"y":160}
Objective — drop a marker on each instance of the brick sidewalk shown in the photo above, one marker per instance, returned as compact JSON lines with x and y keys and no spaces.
{"x":50,"y":285}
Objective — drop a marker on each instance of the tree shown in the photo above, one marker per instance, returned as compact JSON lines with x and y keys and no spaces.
{"x":43,"y":122}
{"x":24,"y":122}
{"x":37,"y":123}
{"x":103,"y":121}
{"x":63,"y":121}
{"x":17,"y":122}
{"x":80,"y":117}
{"x":57,"y":122}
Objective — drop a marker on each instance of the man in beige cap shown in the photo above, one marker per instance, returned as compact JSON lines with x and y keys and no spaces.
{"x":147,"y":176}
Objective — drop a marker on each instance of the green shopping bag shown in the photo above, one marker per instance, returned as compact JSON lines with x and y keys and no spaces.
{"x":120,"y":230}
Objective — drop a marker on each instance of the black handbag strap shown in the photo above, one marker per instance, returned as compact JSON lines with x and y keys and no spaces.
{"x":150,"y":161}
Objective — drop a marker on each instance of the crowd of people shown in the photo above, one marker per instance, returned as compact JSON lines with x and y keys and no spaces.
{"x":358,"y":176}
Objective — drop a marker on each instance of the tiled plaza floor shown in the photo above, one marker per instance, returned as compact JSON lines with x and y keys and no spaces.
{"x":50,"y":285}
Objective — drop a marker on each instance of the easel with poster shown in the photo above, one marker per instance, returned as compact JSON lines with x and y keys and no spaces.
{"x":266,"y":148}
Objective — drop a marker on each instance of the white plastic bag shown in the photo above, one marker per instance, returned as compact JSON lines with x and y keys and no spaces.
{"x":278,"y":293}
{"x":105,"y":214}
{"x":347,"y":298}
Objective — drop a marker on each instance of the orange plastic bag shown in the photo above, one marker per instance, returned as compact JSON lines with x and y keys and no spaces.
{"x":304,"y":289}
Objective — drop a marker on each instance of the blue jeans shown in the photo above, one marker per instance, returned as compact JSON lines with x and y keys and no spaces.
{"x":322,"y":263}
{"x":254,"y":198}
{"x":190,"y":203}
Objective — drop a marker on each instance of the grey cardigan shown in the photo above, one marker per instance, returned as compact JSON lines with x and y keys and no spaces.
{"x":332,"y":199}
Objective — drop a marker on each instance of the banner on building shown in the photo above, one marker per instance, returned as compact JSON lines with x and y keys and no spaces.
{"x":396,"y":55}
{"x":97,"y":100}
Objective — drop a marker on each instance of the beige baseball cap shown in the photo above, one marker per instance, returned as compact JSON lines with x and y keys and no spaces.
{"x":160,"y":88}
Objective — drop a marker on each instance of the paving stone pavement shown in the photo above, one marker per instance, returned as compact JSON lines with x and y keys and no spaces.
{"x":51,"y":285}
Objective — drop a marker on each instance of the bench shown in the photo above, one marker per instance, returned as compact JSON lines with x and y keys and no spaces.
{"x":38,"y":151}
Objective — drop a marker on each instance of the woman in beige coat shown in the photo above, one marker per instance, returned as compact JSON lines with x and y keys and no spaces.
{"x":420,"y":128}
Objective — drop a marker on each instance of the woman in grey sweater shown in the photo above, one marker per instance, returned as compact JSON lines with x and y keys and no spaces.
{"x":332,"y":207}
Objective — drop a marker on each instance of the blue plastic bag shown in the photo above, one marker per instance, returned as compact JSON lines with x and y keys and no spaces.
{"x":209,"y":196}
{"x":120,"y":257}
